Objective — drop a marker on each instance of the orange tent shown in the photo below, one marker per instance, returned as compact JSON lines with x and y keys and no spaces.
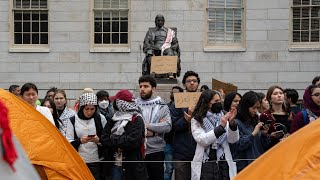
{"x":295,"y":158}
{"x":42,"y":142}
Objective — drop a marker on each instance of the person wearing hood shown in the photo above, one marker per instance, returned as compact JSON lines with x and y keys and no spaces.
{"x":311,"y":103}
{"x":84,"y":133}
{"x":123,"y":139}
{"x":157,"y":120}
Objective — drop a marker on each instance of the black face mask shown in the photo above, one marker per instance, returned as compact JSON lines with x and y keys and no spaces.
{"x":216,"y":107}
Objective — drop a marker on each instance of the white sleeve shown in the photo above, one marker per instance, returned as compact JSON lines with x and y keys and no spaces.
{"x":46,"y":113}
{"x":70,"y":132}
{"x":200,"y":136}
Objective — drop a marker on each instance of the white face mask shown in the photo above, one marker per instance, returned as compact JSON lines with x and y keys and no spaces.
{"x":104,"y":104}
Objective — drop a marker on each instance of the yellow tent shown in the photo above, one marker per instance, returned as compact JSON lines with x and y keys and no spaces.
{"x":42,"y":142}
{"x":295,"y":158}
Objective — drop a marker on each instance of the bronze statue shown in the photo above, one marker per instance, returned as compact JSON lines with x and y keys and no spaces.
{"x":160,"y":41}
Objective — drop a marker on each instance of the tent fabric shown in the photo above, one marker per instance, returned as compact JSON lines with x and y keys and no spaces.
{"x":295,"y":158}
{"x":42,"y":142}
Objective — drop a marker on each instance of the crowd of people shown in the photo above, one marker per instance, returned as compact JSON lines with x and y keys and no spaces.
{"x":145,"y":137}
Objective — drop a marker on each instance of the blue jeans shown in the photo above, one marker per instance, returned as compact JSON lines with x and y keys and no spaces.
{"x":116,"y":172}
{"x":168,"y":158}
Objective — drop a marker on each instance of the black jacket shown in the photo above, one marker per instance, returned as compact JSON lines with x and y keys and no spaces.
{"x":130,"y":142}
{"x":183,"y":143}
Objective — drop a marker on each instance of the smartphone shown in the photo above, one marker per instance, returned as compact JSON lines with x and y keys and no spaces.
{"x":91,"y":135}
{"x":268,"y":122}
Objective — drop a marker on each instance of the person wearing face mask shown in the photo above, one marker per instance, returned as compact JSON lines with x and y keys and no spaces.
{"x":213,"y":131}
{"x":105,"y":107}
{"x":168,"y":137}
{"x":254,"y":139}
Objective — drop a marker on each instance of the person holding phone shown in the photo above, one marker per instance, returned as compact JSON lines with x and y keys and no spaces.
{"x":213,"y":131}
{"x":254,"y":138}
{"x":84,"y":133}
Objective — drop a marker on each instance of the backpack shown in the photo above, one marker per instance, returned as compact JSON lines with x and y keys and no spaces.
{"x":142,"y":147}
{"x":305,"y":116}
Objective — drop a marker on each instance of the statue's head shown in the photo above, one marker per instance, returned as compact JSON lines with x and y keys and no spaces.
{"x":159,"y":20}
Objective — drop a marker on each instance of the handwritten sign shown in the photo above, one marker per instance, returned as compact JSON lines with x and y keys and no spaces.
{"x":227,"y":87}
{"x":186,"y":99}
{"x":164,"y":64}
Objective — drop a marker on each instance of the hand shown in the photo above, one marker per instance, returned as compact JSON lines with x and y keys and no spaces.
{"x":264,"y":129}
{"x":85,"y":139}
{"x":223,"y":121}
{"x":232,"y":115}
{"x":257,"y":128}
{"x":190,"y":110}
{"x":223,"y":95}
{"x":277,"y":134}
{"x":95,"y":139}
{"x":187,"y":117}
{"x":163,"y":120}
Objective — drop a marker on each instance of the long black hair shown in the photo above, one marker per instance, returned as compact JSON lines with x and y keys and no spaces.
{"x":202,"y":106}
{"x":54,"y":113}
{"x":228,"y":100}
{"x":248,"y":100}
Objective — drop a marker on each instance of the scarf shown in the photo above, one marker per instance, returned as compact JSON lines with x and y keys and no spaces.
{"x":124,"y":115}
{"x":211,"y":121}
{"x":308,"y":103}
{"x":167,"y":43}
{"x":151,"y":109}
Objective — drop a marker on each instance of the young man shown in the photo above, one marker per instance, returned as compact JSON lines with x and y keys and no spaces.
{"x":291,"y":97}
{"x":15,"y":89}
{"x":184,"y":145}
{"x":157,"y":120}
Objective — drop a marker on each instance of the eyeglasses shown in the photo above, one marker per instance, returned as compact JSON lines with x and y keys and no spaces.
{"x":316,"y":94}
{"x":192,"y":80}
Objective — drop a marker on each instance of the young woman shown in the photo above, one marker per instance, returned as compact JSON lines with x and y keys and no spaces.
{"x":254,"y":139}
{"x":264,"y":104}
{"x":231,"y":101}
{"x":64,"y":113}
{"x":278,"y":114}
{"x":50,"y":104}
{"x":84,"y":133}
{"x":311,"y":103}
{"x":29,"y":93}
{"x":213,"y":131}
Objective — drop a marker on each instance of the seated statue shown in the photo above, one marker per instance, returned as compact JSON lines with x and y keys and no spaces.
{"x":160,"y":41}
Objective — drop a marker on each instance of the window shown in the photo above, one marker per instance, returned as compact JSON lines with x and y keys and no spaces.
{"x":225,"y":23}
{"x":305,"y":22}
{"x":110,"y":23}
{"x":29,"y":23}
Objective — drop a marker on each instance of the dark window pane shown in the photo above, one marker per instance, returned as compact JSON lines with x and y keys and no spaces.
{"x":106,"y":38}
{"x":35,"y":26}
{"x":296,"y":36}
{"x":97,"y":26}
{"x":98,"y":15}
{"x":304,"y":36}
{"x":115,"y":15}
{"x":315,"y":24}
{"x":35,"y":4}
{"x":296,"y":2}
{"x":18,"y":27}
{"x":44,"y":16}
{"x":17,"y":16}
{"x":18,"y":38}
{"x":44,"y":38}
{"x":296,"y":12}
{"x":26,"y":38}
{"x":305,"y":12}
{"x":305,"y":24}
{"x":26,"y":27}
{"x":124,"y":16}
{"x":26,"y":15}
{"x":106,"y":15}
{"x":115,"y":26}
{"x":296,"y":24}
{"x":35,"y":15}
{"x":43,"y":27}
{"x":43,"y":3}
{"x":115,"y":38}
{"x":315,"y":2}
{"x":123,"y":26}
{"x":315,"y":12}
{"x":35,"y":38}
{"x":314,"y":36}
{"x":97,"y":38}
{"x":106,"y":26}
{"x":305,"y":2}
{"x":25,"y":3}
{"x":17,"y":4}
{"x":123,"y":38}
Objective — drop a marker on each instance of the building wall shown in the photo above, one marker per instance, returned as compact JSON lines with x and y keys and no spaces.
{"x":69,"y":64}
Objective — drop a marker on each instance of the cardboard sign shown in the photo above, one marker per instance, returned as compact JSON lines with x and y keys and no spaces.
{"x":163,"y":64}
{"x":227,"y":87}
{"x":186,"y":99}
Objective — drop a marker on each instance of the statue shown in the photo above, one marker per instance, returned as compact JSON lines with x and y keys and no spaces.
{"x":160,"y":41}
